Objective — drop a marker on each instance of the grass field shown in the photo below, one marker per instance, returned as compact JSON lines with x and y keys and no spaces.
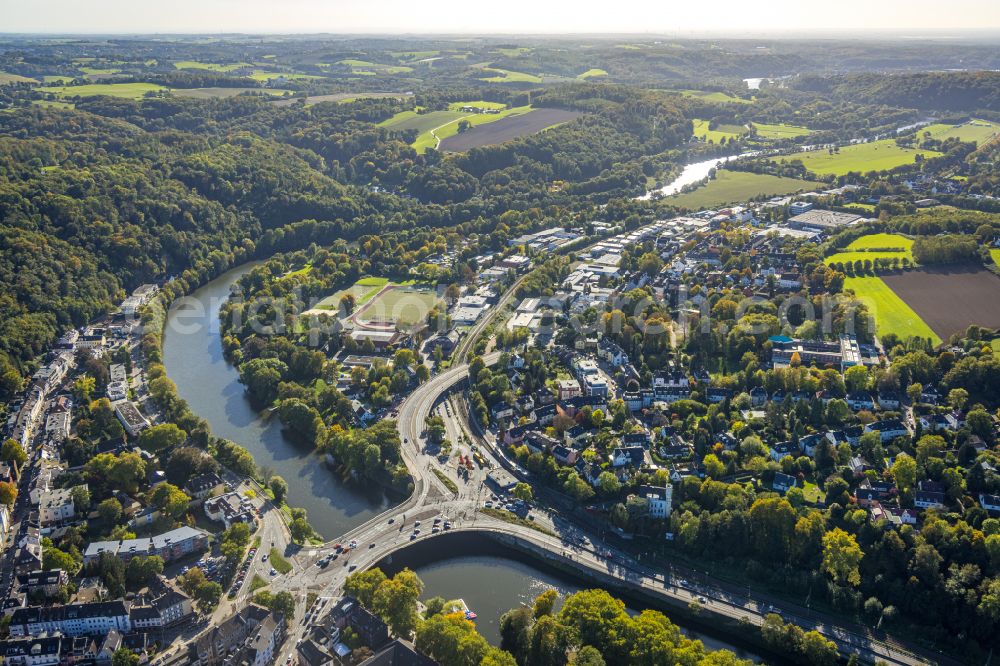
{"x":363,"y":67}
{"x":766,"y":131}
{"x":430,"y":140}
{"x":508,"y":127}
{"x":979,"y":131}
{"x":863,"y":157}
{"x":892,"y":314}
{"x":727,"y":132}
{"x":857,"y":249}
{"x":995,"y":254}
{"x":863,"y":207}
{"x":6,"y":78}
{"x":422,"y":122}
{"x":126,"y":90}
{"x":278,"y":561}
{"x":363,"y":291}
{"x":260,"y":75}
{"x":733,"y":186}
{"x":593,"y":72}
{"x":508,"y":76}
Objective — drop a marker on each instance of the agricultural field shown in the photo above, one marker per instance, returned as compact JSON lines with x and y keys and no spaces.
{"x":6,"y":78}
{"x":365,"y":68}
{"x":436,"y":126}
{"x":732,"y":186}
{"x":422,"y":122}
{"x":863,"y":157}
{"x":887,"y":246}
{"x":262,"y":76}
{"x":891,"y":313}
{"x":210,"y":93}
{"x":727,"y":132}
{"x":950,"y":298}
{"x":126,"y":90}
{"x":979,"y":131}
{"x":592,"y":73}
{"x":778,"y":132}
{"x":507,"y":128}
{"x":508,"y":76}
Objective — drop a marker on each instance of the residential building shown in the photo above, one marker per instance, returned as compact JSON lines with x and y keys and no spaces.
{"x":204,"y":485}
{"x":73,"y":619}
{"x":132,"y":420}
{"x":32,"y":651}
{"x":55,"y":506}
{"x":169,"y":545}
{"x":658,"y":500}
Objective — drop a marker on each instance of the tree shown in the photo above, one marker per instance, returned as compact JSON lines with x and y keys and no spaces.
{"x":301,"y":530}
{"x":842,"y":557}
{"x":957,"y":398}
{"x":171,"y":500}
{"x":856,"y":378}
{"x":279,"y":487}
{"x":914,"y":391}
{"x":83,"y":389}
{"x":161,"y":437}
{"x":714,"y":467}
{"x":81,"y":499}
{"x":362,"y":585}
{"x":347,"y":304}
{"x":140,"y":570}
{"x":904,"y":471}
{"x":772,"y":524}
{"x":395,"y":602}
{"x":186,"y":462}
{"x":544,"y":603}
{"x":522,"y":491}
{"x":282,"y":602}
{"x":110,"y":511}
{"x":608,"y":483}
{"x":123,"y":656}
{"x":8,"y":493}
{"x":12,"y":452}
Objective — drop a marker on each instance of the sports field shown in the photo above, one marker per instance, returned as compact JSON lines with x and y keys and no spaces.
{"x":862,"y":158}
{"x":127,"y":90}
{"x":892,"y":314}
{"x":979,"y":131}
{"x":363,"y":290}
{"x":766,"y":131}
{"x":733,"y":186}
{"x":727,"y":132}
{"x":875,"y":246}
{"x":399,"y":304}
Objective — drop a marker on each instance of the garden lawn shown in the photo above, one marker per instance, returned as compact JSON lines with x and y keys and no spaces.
{"x":126,"y":90}
{"x":734,"y":186}
{"x":861,"y":158}
{"x":892,"y":314}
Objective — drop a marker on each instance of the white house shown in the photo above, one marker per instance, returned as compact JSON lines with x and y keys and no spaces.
{"x":659,"y":500}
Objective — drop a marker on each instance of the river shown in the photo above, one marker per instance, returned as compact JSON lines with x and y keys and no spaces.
{"x":192,"y":355}
{"x":690,"y":174}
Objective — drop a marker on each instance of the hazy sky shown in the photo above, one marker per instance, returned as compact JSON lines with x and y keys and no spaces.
{"x":496,"y":16}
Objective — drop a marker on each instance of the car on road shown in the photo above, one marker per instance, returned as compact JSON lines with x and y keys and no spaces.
{"x":416,"y":523}
{"x":412,"y":537}
{"x":264,"y":559}
{"x":392,"y":520}
{"x":435,"y":529}
{"x":702,"y":599}
{"x":274,"y":572}
{"x":352,"y":567}
{"x":371,"y":545}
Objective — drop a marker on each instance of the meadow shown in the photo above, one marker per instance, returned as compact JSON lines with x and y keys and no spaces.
{"x":435,"y":126}
{"x":862,"y":248}
{"x":508,"y":76}
{"x":768,"y":131}
{"x":593,"y":72}
{"x":715,"y":96}
{"x":892,"y":314}
{"x":126,"y":90}
{"x":863,"y":157}
{"x":209,"y":66}
{"x":733,"y":186}
{"x":212,"y":93}
{"x":979,"y":131}
{"x":727,"y":132}
{"x":7,"y":77}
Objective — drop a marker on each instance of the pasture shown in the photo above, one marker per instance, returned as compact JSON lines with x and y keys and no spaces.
{"x":950,"y":298}
{"x":727,"y":132}
{"x":861,"y":158}
{"x":712,"y":96}
{"x":126,"y":90}
{"x":209,"y":66}
{"x":979,"y":131}
{"x":364,"y":67}
{"x":422,"y":122}
{"x":779,"y":132}
{"x":734,"y":186}
{"x":214,"y":93}
{"x":507,"y":128}
{"x":875,"y":246}
{"x":592,"y":73}
{"x":340,"y":98}
{"x":891,"y":313}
